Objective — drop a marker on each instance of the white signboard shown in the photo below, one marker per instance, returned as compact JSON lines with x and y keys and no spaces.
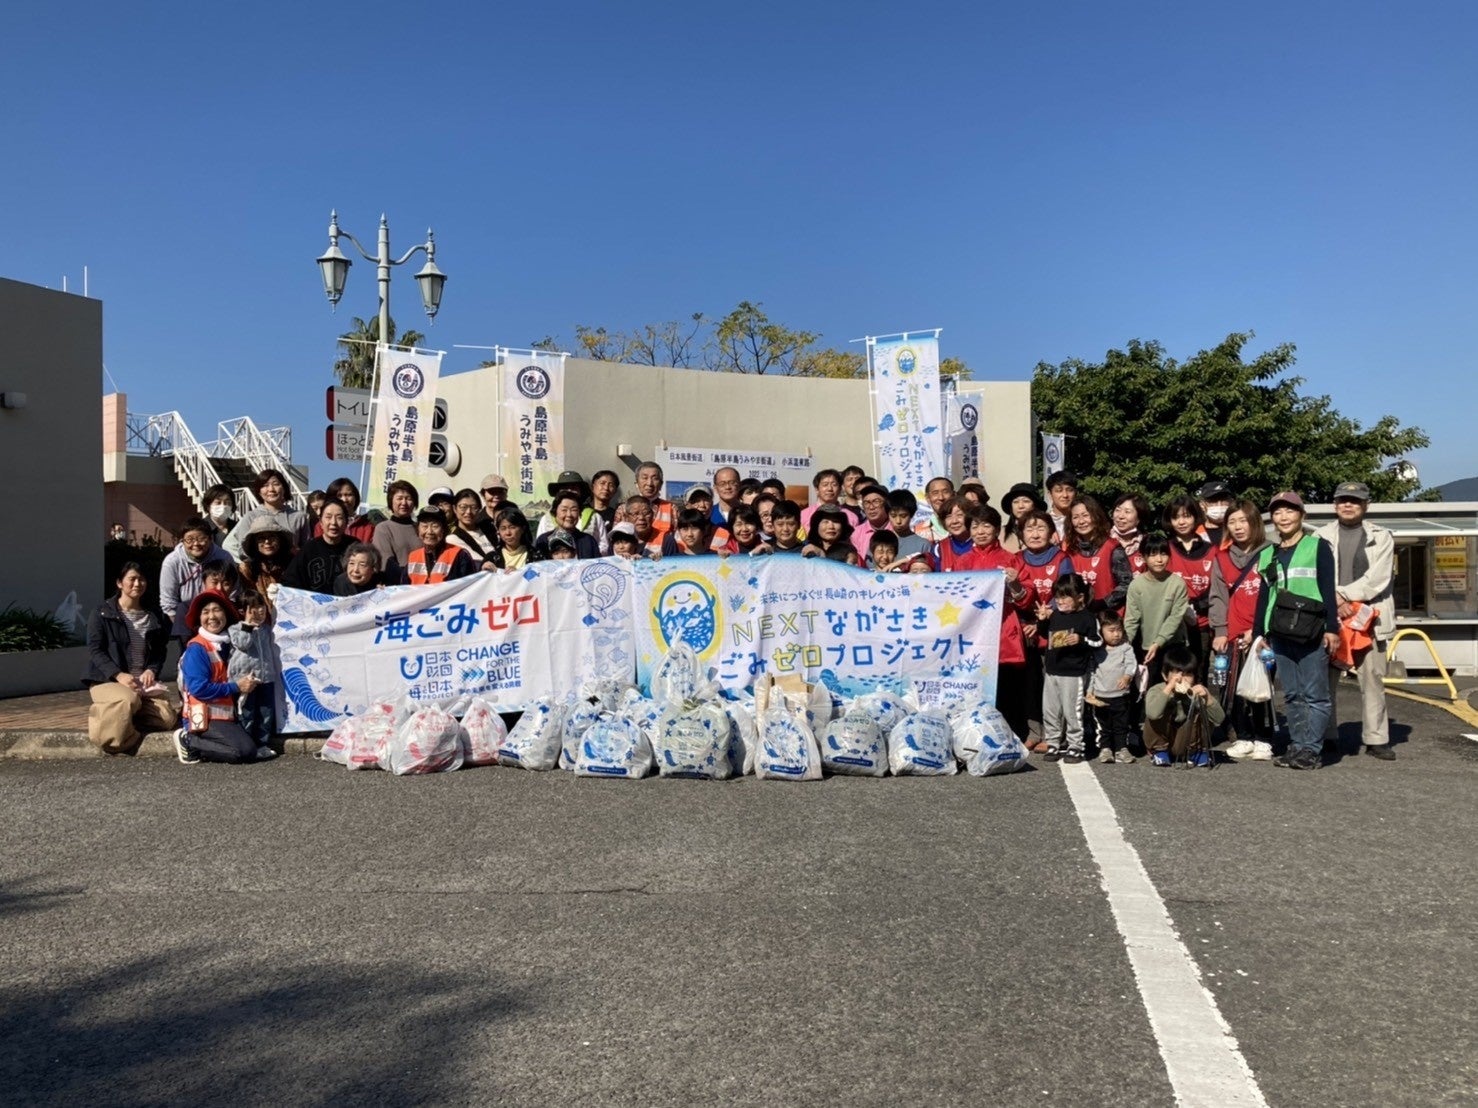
{"x":345,"y":444}
{"x":350,"y":407}
{"x":686,"y":466}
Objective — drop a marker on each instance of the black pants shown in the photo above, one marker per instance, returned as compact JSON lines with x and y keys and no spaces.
{"x":258,"y":714}
{"x":1013,"y":696}
{"x":226,"y":741}
{"x":1112,"y":718}
{"x":1034,"y":678}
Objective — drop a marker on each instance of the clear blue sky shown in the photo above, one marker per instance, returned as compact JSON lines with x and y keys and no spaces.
{"x":1043,"y":181}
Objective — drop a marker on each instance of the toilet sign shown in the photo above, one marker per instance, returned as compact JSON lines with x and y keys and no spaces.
{"x":350,"y":407}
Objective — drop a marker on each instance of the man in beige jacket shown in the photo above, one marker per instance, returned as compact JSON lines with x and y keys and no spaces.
{"x":1364,"y":556}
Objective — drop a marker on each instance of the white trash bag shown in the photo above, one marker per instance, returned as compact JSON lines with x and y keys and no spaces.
{"x":613,"y":746}
{"x":483,"y":732}
{"x":922,"y":744}
{"x":678,"y":677}
{"x":430,"y":741}
{"x":967,"y":721}
{"x":743,"y":736}
{"x":355,"y":743}
{"x":854,"y":745}
{"x":787,"y":748}
{"x":1253,"y":683}
{"x":694,"y":742}
{"x":984,"y":741}
{"x":533,"y":743}
{"x":608,"y":692}
{"x":886,"y":709}
{"x":578,"y":717}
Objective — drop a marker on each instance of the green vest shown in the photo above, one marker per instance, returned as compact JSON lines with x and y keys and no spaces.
{"x":1302,"y":578}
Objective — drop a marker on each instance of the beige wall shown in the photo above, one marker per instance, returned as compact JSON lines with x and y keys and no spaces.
{"x":147,"y":498}
{"x":51,"y":349}
{"x":610,"y":403}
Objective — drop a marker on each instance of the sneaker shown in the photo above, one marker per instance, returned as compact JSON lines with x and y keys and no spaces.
{"x":265,"y":753}
{"x":1383,"y":752}
{"x":1106,"y":757}
{"x":1123,"y":757}
{"x":1053,"y":754}
{"x":1071,"y":758}
{"x":186,"y":756}
{"x":1242,"y":748}
{"x":1261,"y":751}
{"x":1298,"y":758}
{"x":1201,"y":759}
{"x":1160,"y":758}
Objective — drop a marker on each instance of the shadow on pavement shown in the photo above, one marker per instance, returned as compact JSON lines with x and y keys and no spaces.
{"x":215,"y":1024}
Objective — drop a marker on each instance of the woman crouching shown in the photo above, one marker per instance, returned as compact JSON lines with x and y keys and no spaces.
{"x":213,"y":731}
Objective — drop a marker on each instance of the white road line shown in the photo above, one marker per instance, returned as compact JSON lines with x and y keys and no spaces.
{"x":1467,"y":735}
{"x":1201,"y":1055}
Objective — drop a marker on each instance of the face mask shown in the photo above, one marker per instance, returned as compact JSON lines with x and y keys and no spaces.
{"x":219,"y":511}
{"x":1216,"y":512}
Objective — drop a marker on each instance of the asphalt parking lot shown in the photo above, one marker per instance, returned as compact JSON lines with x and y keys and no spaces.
{"x":296,"y":933}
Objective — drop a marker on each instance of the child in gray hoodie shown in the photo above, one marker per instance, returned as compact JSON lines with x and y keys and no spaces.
{"x":252,"y":654}
{"x":1111,"y":692}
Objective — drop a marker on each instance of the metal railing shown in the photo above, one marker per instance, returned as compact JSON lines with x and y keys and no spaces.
{"x":240,"y":439}
{"x":167,"y":435}
{"x":260,"y":448}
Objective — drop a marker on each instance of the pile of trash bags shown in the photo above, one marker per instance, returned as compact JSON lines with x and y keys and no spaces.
{"x":784,"y":729}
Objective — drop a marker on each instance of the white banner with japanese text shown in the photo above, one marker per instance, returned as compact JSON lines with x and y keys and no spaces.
{"x":908,"y":433}
{"x":1054,"y":455}
{"x":508,"y":637}
{"x":824,"y":621}
{"x":533,"y":422}
{"x":686,"y":466}
{"x":405,"y":402}
{"x":964,"y":436}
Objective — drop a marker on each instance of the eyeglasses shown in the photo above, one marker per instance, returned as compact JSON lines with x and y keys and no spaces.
{"x":490,"y":492}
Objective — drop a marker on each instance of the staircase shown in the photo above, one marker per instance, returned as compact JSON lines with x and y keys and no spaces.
{"x":240,"y":452}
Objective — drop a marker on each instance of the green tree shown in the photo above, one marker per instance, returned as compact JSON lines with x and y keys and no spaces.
{"x":954,"y":367}
{"x":1141,"y":422}
{"x":830,"y":362}
{"x":355,"y":367}
{"x":745,"y":341}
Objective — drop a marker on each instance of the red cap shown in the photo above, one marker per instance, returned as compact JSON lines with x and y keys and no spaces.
{"x":1292,"y":499}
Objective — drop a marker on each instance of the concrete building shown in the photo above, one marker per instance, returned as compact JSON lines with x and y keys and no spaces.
{"x":51,"y":370}
{"x":611,"y":404}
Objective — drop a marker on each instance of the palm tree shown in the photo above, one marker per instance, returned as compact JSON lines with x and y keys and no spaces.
{"x":355,"y":369}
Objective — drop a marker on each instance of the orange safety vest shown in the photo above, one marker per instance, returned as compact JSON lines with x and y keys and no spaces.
{"x":1355,"y":637}
{"x":662,"y":516}
{"x":224,"y":708}
{"x":415,"y":565}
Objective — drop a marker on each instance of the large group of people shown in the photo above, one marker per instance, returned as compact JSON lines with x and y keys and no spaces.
{"x":1116,"y":621}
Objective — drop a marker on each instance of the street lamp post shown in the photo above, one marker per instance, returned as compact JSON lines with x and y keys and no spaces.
{"x":334,"y":266}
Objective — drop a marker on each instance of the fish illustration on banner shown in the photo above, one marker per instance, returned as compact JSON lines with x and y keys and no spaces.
{"x":908,"y":431}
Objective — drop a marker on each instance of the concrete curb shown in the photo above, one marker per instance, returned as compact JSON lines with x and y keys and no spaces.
{"x":34,"y":746}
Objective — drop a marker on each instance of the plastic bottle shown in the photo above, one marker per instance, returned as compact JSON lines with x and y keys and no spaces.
{"x":1220,"y":664}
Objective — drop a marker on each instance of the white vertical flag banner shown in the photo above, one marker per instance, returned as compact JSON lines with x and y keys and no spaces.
{"x":405,"y":403}
{"x":964,"y":436}
{"x":1054,"y":454}
{"x":907,"y":431}
{"x":534,"y":421}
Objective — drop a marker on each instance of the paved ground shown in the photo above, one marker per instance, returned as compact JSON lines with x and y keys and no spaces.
{"x":295,"y":933}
